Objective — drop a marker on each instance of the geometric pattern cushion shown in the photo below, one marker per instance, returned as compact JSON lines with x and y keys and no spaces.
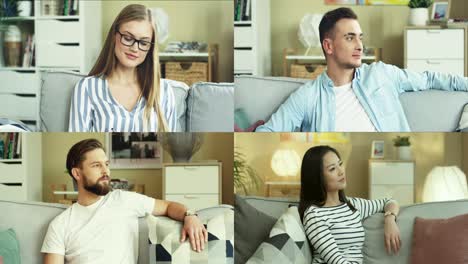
{"x":287,"y":243}
{"x":165,"y":233}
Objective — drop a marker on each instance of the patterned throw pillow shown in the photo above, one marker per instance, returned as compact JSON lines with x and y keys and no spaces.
{"x":165,"y":233}
{"x":287,"y":243}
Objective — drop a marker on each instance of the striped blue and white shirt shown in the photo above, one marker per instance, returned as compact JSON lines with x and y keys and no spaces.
{"x":94,"y":109}
{"x":336,"y":233}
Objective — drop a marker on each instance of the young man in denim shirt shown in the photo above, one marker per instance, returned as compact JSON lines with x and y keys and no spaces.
{"x":351,"y":96}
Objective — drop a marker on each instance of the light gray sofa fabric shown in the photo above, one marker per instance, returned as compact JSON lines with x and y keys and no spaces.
{"x":211,"y":107}
{"x":57,"y":88}
{"x":374,"y":249}
{"x":427,"y":111}
{"x":30,"y":221}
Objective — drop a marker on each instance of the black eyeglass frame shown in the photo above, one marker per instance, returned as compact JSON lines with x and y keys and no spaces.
{"x":133,"y":41}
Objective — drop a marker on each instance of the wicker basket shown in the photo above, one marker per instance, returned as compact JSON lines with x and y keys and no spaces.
{"x":187,"y":72}
{"x":306,"y":71}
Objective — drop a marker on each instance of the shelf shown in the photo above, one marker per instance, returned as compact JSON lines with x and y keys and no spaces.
{"x":17,"y":18}
{"x":65,"y":193}
{"x":11,"y":160}
{"x":242,"y":23}
{"x":18,"y":68}
{"x":58,"y":17}
{"x":182,"y":54}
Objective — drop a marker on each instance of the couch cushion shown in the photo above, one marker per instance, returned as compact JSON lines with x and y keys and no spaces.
{"x":30,"y":234}
{"x":273,"y":207}
{"x":287,"y":242}
{"x":56,"y":91}
{"x":440,"y":240}
{"x":374,"y":249}
{"x":165,"y":234}
{"x":253,"y":229}
{"x":181,"y":94}
{"x":260,"y":97}
{"x":9,"y":247}
{"x":211,"y":108}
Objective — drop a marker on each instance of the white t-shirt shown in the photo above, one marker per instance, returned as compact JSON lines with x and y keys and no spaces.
{"x":101,"y":233}
{"x":350,"y":115}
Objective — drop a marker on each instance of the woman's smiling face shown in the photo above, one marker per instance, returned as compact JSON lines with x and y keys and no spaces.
{"x":132,"y":56}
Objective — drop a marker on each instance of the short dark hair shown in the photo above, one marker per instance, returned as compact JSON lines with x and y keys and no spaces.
{"x":77,"y":152}
{"x":329,"y":20}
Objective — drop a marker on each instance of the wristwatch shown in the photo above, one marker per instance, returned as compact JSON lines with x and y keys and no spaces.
{"x":190,"y":213}
{"x":390,"y":213}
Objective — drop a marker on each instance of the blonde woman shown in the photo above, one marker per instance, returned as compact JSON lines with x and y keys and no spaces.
{"x":124,"y":92}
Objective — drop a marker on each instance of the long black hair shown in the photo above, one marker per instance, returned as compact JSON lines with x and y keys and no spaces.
{"x":313,"y":184}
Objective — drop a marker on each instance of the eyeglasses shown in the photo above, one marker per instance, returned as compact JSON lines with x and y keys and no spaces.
{"x":128,"y":41}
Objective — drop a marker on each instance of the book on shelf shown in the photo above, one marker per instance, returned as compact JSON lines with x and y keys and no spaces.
{"x":28,"y":56}
{"x":242,"y":10}
{"x":70,"y":7}
{"x":10,"y":146}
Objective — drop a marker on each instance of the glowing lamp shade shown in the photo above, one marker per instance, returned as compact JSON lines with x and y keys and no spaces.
{"x":285,"y":162}
{"x":445,"y":184}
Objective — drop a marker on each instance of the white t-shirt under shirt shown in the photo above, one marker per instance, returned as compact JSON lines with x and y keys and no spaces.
{"x":101,"y":233}
{"x":350,"y":115}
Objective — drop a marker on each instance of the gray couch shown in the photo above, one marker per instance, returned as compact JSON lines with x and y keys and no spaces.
{"x":30,"y":221}
{"x":374,"y":250}
{"x":205,"y":107}
{"x":260,"y":97}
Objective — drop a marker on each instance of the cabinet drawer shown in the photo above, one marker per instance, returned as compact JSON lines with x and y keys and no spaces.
{"x":19,"y":82}
{"x":56,"y":31}
{"x":56,"y":55}
{"x":443,"y":66}
{"x":243,"y":60}
{"x":191,"y":179}
{"x":391,"y":173}
{"x":11,"y":173}
{"x":243,"y":37}
{"x":435,"y":44}
{"x":18,"y":107}
{"x":14,"y":193}
{"x":195,"y":202}
{"x":403,"y":194}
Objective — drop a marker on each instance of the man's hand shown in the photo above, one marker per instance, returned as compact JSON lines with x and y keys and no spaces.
{"x":392,"y":235}
{"x":195,"y":231}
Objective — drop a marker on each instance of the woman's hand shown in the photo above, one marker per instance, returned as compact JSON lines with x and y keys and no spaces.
{"x":392,"y":235}
{"x":196,"y":232}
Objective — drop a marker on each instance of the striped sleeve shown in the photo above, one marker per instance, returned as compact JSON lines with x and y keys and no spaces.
{"x":80,"y":109}
{"x":370,"y":207}
{"x":321,"y":239}
{"x":168,"y":104}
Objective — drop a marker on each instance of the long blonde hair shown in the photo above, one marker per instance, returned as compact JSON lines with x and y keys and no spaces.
{"x":148,"y":72}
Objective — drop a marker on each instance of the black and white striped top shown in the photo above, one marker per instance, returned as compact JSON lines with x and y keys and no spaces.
{"x":94,"y":109}
{"x":336,"y":233}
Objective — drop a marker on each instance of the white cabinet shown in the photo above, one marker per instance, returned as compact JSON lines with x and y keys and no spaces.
{"x":21,"y":178}
{"x":392,"y":179}
{"x":196,"y":185}
{"x":62,"y":42}
{"x":436,"y":49}
{"x":252,"y":41}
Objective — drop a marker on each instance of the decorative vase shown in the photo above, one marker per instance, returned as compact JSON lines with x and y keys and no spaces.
{"x":182,"y":146}
{"x":24,"y":8}
{"x":418,"y":16}
{"x":404,"y":153}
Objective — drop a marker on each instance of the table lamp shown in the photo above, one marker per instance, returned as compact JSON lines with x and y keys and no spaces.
{"x":445,"y":184}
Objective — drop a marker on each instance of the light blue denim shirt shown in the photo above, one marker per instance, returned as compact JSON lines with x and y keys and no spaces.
{"x":377,"y":86}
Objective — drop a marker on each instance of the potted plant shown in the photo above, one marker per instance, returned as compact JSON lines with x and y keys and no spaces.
{"x":403,"y":146}
{"x":419,"y":12}
{"x":245,"y":177}
{"x":8,"y":8}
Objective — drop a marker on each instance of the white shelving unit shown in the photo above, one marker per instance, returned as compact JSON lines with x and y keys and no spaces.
{"x":433,"y":48}
{"x":21,"y":179}
{"x":252,"y":41}
{"x":68,"y":43}
{"x":196,"y":185}
{"x":392,"y":179}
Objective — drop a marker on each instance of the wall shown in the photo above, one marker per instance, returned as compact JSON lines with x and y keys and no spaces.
{"x":382,"y":27}
{"x":56,"y":145}
{"x":429,"y":150}
{"x":204,"y":21}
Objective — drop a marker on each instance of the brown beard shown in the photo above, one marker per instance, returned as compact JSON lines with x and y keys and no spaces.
{"x":96,"y":188}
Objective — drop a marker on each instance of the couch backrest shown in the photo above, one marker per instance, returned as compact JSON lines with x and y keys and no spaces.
{"x":56,"y":91}
{"x":30,"y":221}
{"x":374,"y":249}
{"x":432,"y":110}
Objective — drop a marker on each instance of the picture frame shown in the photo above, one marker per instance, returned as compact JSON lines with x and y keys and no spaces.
{"x":134,"y":150}
{"x":378,"y":147}
{"x":440,"y":11}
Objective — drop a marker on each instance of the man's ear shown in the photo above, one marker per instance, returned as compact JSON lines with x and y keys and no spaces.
{"x":76,"y":174}
{"x":327,"y":46}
